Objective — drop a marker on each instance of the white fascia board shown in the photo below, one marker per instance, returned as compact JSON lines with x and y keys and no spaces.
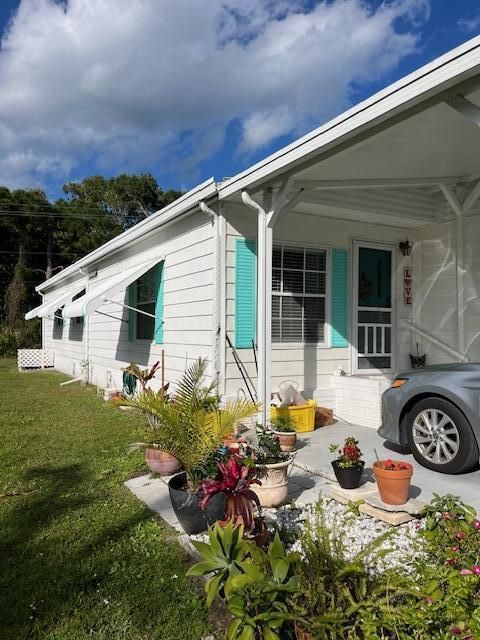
{"x":189,"y":200}
{"x":454,"y":67}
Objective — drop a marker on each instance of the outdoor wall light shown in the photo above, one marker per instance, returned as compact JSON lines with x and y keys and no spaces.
{"x":405,"y":247}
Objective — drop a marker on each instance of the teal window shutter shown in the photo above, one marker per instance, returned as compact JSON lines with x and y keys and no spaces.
{"x":131,"y":314}
{"x":159,"y":283}
{"x":245,"y":292}
{"x":339,"y":314}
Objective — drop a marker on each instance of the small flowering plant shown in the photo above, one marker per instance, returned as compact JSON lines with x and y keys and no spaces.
{"x":395,"y":465}
{"x":452,"y":531}
{"x":349,"y":455}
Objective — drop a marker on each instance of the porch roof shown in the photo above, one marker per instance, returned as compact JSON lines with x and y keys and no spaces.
{"x":425,"y":93}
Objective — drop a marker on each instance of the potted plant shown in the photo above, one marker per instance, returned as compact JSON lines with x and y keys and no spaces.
{"x":393,"y":479}
{"x":284,"y":428}
{"x":234,"y":481}
{"x":191,"y":429}
{"x":133,"y":373}
{"x":148,"y":402}
{"x":272,"y":468}
{"x":348,"y":466}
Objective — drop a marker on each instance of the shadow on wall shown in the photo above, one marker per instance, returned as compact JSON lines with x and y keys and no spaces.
{"x":436,"y":301}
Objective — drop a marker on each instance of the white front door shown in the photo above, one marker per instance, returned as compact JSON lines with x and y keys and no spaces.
{"x":373,"y":311}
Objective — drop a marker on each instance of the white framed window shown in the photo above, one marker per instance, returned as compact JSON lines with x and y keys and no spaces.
{"x":299,"y":292}
{"x":144,"y":293}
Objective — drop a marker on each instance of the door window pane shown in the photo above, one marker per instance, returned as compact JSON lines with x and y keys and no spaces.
{"x":374,"y":278}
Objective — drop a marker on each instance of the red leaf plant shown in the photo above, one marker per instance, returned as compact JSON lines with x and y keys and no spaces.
{"x":234,"y":480}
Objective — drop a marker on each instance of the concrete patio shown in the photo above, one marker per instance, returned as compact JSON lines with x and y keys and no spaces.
{"x":313,"y":454}
{"x":311,"y":474}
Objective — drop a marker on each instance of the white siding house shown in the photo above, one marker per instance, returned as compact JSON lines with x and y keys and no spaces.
{"x":334,"y":257}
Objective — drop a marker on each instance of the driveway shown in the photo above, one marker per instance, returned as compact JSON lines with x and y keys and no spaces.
{"x":313,"y":452}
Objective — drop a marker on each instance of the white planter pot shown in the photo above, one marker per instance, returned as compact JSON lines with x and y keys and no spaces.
{"x":274,"y":488}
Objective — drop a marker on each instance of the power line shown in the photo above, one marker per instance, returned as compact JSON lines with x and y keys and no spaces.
{"x":27,"y":205}
{"x":42,"y":253}
{"x":36,"y":214}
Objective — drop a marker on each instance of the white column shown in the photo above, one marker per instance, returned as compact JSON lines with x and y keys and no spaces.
{"x":264,"y":308}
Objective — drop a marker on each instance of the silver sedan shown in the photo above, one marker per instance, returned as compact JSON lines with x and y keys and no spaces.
{"x":436,"y":412}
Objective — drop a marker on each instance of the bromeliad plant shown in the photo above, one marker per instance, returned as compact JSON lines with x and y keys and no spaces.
{"x":234,"y":480}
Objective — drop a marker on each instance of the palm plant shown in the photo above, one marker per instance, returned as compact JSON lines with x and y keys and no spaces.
{"x":190,"y":425}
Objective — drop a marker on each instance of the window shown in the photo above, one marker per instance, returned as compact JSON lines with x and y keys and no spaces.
{"x":144,"y":292}
{"x":299,"y":281}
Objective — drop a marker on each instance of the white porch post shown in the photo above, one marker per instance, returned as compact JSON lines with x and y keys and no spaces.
{"x":267,"y":216}
{"x":264,"y":306}
{"x":264,"y":303}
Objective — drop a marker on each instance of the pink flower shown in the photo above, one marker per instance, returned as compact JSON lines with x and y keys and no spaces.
{"x":466,"y":572}
{"x":476,"y":524}
{"x":454,"y":549}
{"x":476,"y":569}
{"x":460,"y":535}
{"x":427,"y":600}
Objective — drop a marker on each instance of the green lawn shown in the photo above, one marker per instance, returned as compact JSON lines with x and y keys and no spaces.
{"x":80,"y":557}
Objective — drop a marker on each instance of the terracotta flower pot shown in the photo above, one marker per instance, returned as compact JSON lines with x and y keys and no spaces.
{"x":274,"y":488}
{"x":161,"y":462}
{"x":234,"y":444}
{"x":300,"y":634}
{"x":286,"y":439}
{"x":393,"y":486}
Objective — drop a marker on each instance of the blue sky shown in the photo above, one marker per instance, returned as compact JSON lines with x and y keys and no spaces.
{"x":188,"y":90}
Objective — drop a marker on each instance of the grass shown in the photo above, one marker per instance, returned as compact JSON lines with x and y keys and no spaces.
{"x":80,"y":557}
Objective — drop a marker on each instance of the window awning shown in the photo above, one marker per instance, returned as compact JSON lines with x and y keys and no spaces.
{"x":99,"y":295}
{"x":47,"y":309}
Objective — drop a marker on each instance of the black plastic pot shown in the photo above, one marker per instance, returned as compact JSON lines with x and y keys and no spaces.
{"x":191,"y":517}
{"x":348,"y":478}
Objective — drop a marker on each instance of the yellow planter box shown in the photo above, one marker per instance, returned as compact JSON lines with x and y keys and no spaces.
{"x":303,"y":416}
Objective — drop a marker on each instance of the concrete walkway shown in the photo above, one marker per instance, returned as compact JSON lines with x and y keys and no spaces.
{"x":313,"y":454}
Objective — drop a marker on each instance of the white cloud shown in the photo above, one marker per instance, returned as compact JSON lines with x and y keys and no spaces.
{"x":124,"y":84}
{"x":469,"y":25}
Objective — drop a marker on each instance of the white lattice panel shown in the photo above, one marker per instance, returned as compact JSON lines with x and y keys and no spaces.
{"x":35,"y":358}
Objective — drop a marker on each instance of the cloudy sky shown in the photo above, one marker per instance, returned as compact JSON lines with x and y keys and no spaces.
{"x":187,"y":89}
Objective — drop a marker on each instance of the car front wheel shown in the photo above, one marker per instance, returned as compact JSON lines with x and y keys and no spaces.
{"x":440,"y":436}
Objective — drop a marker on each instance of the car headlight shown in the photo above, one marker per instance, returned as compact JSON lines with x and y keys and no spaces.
{"x":398,"y":382}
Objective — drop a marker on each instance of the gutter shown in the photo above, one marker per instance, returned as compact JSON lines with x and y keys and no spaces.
{"x":159,"y":219}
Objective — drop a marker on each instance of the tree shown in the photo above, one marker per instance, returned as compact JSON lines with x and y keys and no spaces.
{"x":128,"y":198}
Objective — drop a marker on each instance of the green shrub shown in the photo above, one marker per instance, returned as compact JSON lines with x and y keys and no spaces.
{"x":24,"y":335}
